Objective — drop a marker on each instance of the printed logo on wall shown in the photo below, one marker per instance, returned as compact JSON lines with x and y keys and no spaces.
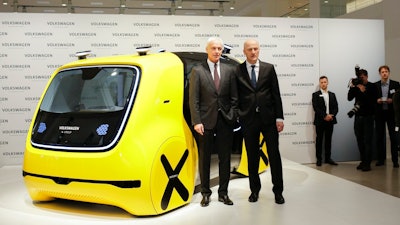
{"x":29,"y":56}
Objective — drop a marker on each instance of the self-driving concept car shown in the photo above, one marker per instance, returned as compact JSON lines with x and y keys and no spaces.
{"x":114,"y":130}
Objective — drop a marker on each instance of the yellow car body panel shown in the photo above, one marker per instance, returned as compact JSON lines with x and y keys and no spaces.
{"x":243,"y":165}
{"x":149,"y":167}
{"x":133,"y":174}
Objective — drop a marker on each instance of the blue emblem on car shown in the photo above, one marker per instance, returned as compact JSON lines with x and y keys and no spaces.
{"x":42,"y":128}
{"x":102,"y":129}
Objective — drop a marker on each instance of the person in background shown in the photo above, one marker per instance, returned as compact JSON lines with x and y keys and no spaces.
{"x":396,"y":110}
{"x":326,"y":108}
{"x":260,"y":111}
{"x":213,"y":108}
{"x":386,"y":87}
{"x":364,"y":93}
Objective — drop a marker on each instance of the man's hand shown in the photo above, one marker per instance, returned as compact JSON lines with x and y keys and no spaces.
{"x":328,"y":117}
{"x":199,"y":128}
{"x":361,"y":87}
{"x":279,"y":126}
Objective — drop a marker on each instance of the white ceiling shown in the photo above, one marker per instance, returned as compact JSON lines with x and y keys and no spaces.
{"x":251,"y":8}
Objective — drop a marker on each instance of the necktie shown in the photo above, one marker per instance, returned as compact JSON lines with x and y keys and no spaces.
{"x":253,"y":76}
{"x":216,"y":76}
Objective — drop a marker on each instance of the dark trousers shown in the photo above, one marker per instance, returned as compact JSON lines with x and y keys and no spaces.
{"x":251,"y":134}
{"x":363,"y":129}
{"x":219,"y":140}
{"x":380,"y":122}
{"x":323,"y":131}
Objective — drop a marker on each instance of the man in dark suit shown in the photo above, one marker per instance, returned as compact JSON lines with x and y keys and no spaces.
{"x":260,"y":111}
{"x":385,"y":116}
{"x":213,"y":108}
{"x":396,"y":111}
{"x":326,"y":108}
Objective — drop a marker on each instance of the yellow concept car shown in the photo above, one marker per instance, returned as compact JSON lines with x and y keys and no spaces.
{"x":114,"y":131}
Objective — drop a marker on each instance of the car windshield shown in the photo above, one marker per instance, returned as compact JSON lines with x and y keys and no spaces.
{"x":86,"y":108}
{"x":89,"y":89}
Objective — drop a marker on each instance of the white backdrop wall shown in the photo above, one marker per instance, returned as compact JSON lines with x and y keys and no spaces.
{"x":34,"y":45}
{"x":341,"y":48}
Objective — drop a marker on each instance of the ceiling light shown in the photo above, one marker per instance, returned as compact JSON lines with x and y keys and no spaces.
{"x":197,"y":6}
{"x":96,"y":3}
{"x":179,"y":4}
{"x":43,"y":2}
{"x":148,"y":4}
{"x":232,"y":4}
{"x":5,"y":2}
{"x":64,"y":3}
{"x":123,"y":3}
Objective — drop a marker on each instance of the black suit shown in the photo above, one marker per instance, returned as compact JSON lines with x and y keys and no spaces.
{"x":323,"y":127}
{"x":385,"y":116}
{"x":216,"y":110}
{"x":259,"y":108}
{"x":396,"y":111}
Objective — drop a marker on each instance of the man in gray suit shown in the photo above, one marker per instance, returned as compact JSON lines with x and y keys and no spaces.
{"x":384,"y":116}
{"x":260,"y":111}
{"x":213,"y":107}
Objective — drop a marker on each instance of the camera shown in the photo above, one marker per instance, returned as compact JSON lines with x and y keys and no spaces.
{"x":356,"y":81}
{"x":353,"y":111}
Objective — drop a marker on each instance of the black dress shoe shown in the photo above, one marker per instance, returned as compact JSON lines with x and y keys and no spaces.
{"x":205,"y":201}
{"x":360,"y":166}
{"x":366,"y":168}
{"x":330,"y":161}
{"x":319,"y":163}
{"x":379,"y":163}
{"x":279,"y":199}
{"x":395,"y":165}
{"x":225,"y":199}
{"x":253,"y":197}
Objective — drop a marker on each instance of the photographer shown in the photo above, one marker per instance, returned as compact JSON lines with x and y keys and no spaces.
{"x":364,"y":93}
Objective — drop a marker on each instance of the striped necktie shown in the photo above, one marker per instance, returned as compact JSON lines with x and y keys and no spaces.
{"x":216,"y":76}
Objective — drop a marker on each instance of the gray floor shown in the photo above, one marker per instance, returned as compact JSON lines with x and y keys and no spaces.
{"x":313,"y":196}
{"x":382,"y":178}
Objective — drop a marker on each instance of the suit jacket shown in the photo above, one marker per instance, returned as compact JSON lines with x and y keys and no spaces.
{"x":205,"y":101}
{"x":265,"y":98}
{"x":393,"y":86}
{"x":396,"y":107}
{"x":319,"y":106}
